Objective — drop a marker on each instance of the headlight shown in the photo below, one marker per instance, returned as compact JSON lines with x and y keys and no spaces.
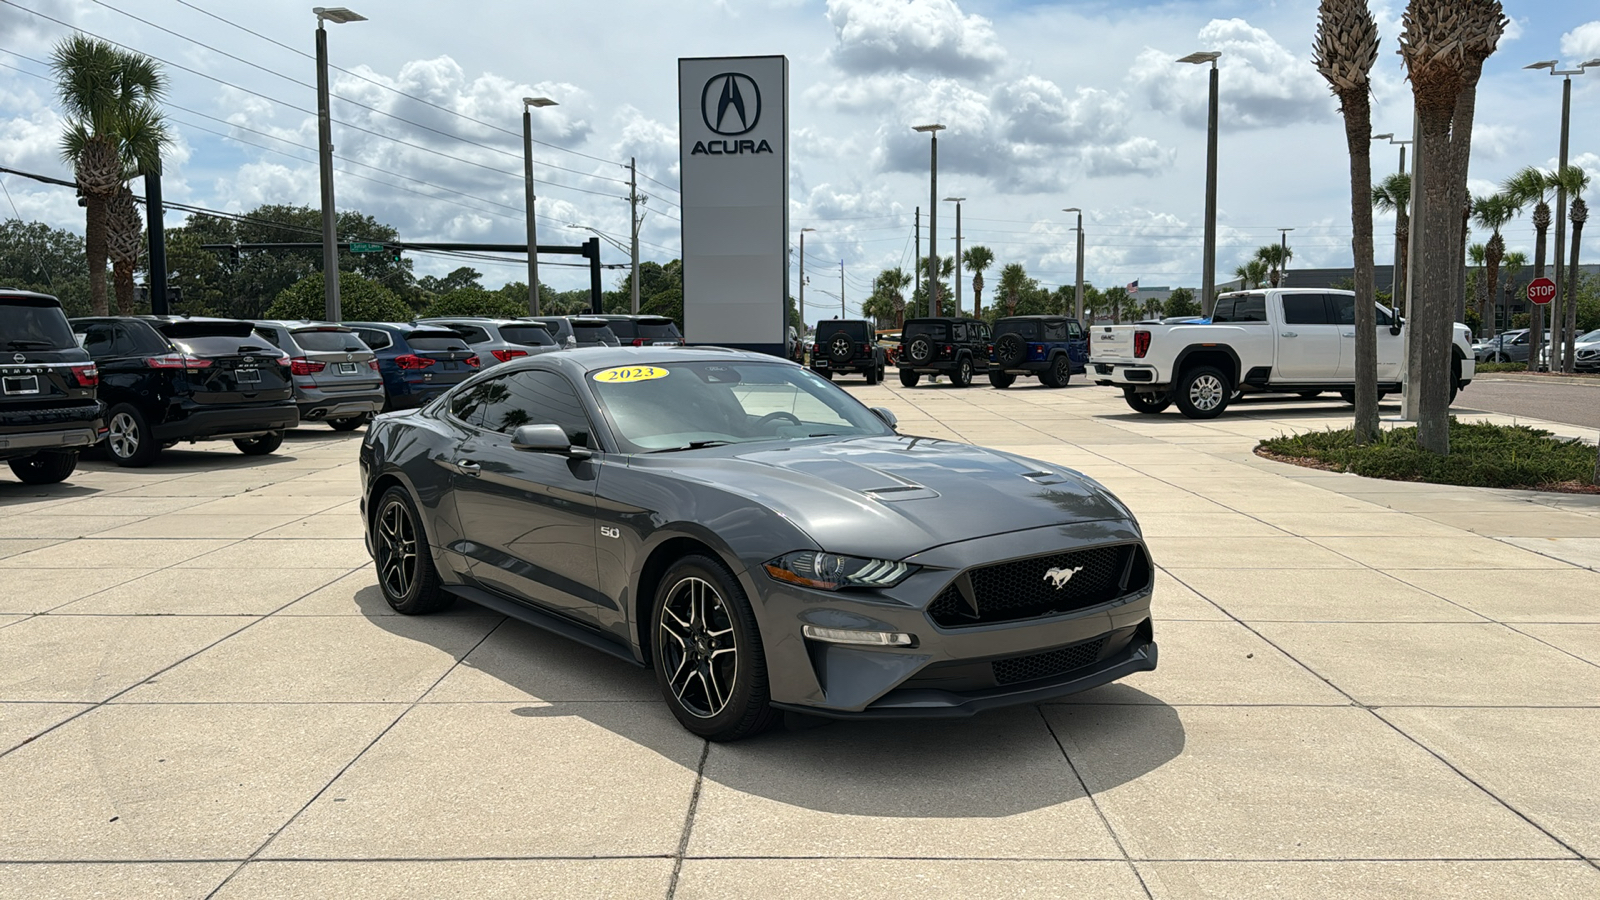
{"x":831,"y":572}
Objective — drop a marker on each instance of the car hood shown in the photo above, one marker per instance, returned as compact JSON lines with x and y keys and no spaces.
{"x":890,"y":497}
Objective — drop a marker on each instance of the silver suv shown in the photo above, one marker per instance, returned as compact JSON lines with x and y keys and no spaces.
{"x":335,"y":375}
{"x":499,"y":340}
{"x":578,"y":331}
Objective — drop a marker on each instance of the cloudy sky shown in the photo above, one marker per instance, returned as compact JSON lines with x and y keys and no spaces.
{"x":1049,"y":105}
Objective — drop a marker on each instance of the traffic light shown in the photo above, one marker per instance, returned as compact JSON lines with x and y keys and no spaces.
{"x":395,"y":253}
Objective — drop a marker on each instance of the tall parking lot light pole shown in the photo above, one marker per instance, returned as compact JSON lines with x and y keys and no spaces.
{"x":1283,"y":267}
{"x":1562,"y":309}
{"x":1077,"y":297}
{"x":957,"y":201}
{"x":1208,"y":277}
{"x":338,"y":15}
{"x":528,"y":105}
{"x":1396,"y":288}
{"x":933,"y":215}
{"x":803,"y":272}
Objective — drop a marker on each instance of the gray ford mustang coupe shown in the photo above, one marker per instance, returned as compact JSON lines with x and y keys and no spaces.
{"x":757,"y":536}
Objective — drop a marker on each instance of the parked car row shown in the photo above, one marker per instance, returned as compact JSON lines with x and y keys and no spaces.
{"x":1050,"y":348}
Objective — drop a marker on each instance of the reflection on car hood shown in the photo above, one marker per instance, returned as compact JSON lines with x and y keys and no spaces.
{"x":894,"y":496}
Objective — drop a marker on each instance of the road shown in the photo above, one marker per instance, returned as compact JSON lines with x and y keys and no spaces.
{"x":1574,"y":402}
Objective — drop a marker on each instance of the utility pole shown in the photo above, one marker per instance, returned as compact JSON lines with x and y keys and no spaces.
{"x":529,"y":200}
{"x":932,"y":131}
{"x":916,"y":240}
{"x":1077,"y":295}
{"x":957,"y":202}
{"x":633,"y":217}
{"x":803,"y":272}
{"x":842,"y":313}
{"x":1283,"y":267}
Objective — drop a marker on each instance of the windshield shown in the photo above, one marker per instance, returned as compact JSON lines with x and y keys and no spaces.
{"x":1591,"y":336}
{"x":939,"y":331}
{"x":527,"y":335}
{"x":328,"y":340}
{"x":30,"y":327}
{"x":680,"y":406}
{"x":1028,"y":329}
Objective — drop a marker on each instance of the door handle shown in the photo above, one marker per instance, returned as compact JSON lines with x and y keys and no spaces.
{"x":468,"y":467}
{"x":1350,"y":334}
{"x":1290,"y":334}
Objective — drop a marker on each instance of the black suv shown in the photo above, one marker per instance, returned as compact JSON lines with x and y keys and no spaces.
{"x":48,"y":410}
{"x":644,"y":331}
{"x":956,"y":347}
{"x":843,"y":346}
{"x":167,"y":379}
{"x":1050,"y":347}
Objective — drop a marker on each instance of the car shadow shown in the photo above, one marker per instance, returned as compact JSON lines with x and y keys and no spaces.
{"x":15,"y":493}
{"x":999,"y":763}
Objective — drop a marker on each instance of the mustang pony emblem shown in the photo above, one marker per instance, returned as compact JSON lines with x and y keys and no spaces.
{"x":1059,"y":577}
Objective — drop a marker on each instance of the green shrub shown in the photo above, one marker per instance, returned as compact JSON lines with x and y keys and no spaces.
{"x":1499,"y":456}
{"x":472,"y":301}
{"x":1488,"y":367}
{"x":360,"y":300}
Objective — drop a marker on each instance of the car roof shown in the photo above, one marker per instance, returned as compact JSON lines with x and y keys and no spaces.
{"x":588,"y":359}
{"x":1040,"y":317}
{"x":28,"y":298}
{"x":301,"y":324}
{"x":943,"y":319}
{"x":481,"y":320}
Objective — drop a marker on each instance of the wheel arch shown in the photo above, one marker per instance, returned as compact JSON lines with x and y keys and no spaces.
{"x":1221,"y":356}
{"x":666,"y":550}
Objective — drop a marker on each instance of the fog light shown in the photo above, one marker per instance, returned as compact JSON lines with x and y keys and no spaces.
{"x":850,"y":636}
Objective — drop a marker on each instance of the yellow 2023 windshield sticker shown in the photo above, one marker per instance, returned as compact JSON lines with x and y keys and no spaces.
{"x":628,"y":374}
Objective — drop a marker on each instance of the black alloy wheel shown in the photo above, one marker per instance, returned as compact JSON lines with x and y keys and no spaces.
{"x":707,"y":652}
{"x":909,"y":378}
{"x":920,"y":350}
{"x":45,"y":467}
{"x":1010,"y":351}
{"x":962,"y":376}
{"x":1149,"y":404}
{"x":260,"y":445}
{"x":128,"y":437}
{"x":406,"y":575}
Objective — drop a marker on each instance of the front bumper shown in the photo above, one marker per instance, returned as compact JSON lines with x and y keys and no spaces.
{"x":949,"y":671}
{"x":229,"y":422}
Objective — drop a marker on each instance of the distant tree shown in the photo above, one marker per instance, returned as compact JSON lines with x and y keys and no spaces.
{"x":977,"y":259}
{"x":36,"y":257}
{"x":1182,"y":303}
{"x":360,"y":300}
{"x":1513,"y":264}
{"x":475,"y":301}
{"x":1014,"y":286}
{"x":1532,"y":186}
{"x":1476,"y":254}
{"x":1575,"y":181}
{"x":887,"y":304}
{"x":1114,"y":302}
{"x":1276,"y":257}
{"x":1492,"y":212}
{"x":1252,"y":273}
{"x":1393,"y":194}
{"x":464,"y":277}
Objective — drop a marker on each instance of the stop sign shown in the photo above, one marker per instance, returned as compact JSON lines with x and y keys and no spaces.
{"x":1541,"y":291}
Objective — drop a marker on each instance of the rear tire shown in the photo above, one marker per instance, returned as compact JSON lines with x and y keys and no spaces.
{"x":1203,"y":392}
{"x":45,"y":467}
{"x":909,"y":378}
{"x":406,"y":575}
{"x":1149,"y":404}
{"x":872,"y":375}
{"x":259,"y":446}
{"x":349,"y":424}
{"x":962,"y":376}
{"x":129,"y":441}
{"x":1001,"y":380}
{"x":699,"y":619}
{"x":1059,"y":375}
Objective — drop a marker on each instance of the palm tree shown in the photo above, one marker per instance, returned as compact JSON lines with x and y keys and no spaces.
{"x":1476,"y":254}
{"x":1491,"y":212}
{"x":1393,"y":194}
{"x":1152,"y":308}
{"x":124,"y":242}
{"x":1436,"y":36}
{"x":1574,"y":181}
{"x":1013,"y":284}
{"x":888,"y":300}
{"x":977,"y":258}
{"x":1533,"y":185}
{"x":1513,"y":264}
{"x":1114,"y":301}
{"x":1346,"y":47}
{"x":114,"y":130}
{"x":1276,"y":258}
{"x":1252,"y":273}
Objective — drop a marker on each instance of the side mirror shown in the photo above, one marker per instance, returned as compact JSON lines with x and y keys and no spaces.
{"x":1398,"y":324}
{"x":546,"y":439}
{"x":887,"y":416}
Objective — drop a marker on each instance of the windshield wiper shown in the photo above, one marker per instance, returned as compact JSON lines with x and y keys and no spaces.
{"x":25,"y":344}
{"x":692,"y":445}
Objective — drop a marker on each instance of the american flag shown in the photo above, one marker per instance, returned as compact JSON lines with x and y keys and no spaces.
{"x":1133,"y":287}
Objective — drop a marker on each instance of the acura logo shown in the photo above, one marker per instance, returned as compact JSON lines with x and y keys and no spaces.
{"x":1060,"y":577}
{"x":730,"y":104}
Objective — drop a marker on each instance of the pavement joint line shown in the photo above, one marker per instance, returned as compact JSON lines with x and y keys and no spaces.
{"x":688,"y":822}
{"x":1504,"y":540}
{"x":1374,"y":711}
{"x":1094,"y":803}
{"x":353,"y":760}
{"x":92,"y":705}
{"x":605,"y":857}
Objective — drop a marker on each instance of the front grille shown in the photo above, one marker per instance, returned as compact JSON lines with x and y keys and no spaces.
{"x":1045,"y":665}
{"x":1041,"y":585}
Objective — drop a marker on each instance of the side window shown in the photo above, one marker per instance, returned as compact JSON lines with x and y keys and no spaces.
{"x":984,"y":334}
{"x":374,"y":338}
{"x":1055,"y":331}
{"x":1074,"y":330}
{"x":1250,"y":308}
{"x":1343,"y":308}
{"x":1384,"y":319}
{"x":472,"y":334}
{"x":97,"y":340}
{"x":1304,"y":309}
{"x":1223,"y":312}
{"x":468,"y":405}
{"x":123,"y":342}
{"x":534,"y":398}
{"x":271,"y":334}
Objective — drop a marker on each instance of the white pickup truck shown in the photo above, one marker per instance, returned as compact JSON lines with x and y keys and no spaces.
{"x":1283,"y":340}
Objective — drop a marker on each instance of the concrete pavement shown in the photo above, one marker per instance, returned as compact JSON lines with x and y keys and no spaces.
{"x":1367,"y":689}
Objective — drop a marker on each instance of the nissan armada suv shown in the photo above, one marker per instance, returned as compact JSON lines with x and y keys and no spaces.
{"x":48,"y":408}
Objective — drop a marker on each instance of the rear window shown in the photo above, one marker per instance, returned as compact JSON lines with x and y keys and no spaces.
{"x":436,"y":340}
{"x":219,"y":328}
{"x":658,"y":329}
{"x":939,"y":331}
{"x":328,"y":341}
{"x":1027,"y":329}
{"x":857,"y":331}
{"x":592,"y":333}
{"x":225,"y":345}
{"x":1241,"y":308}
{"x":622,"y":328}
{"x":527,"y":335}
{"x":30,"y":327}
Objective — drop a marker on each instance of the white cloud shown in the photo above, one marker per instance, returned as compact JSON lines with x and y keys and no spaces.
{"x":1581,"y":44}
{"x":1494,"y":142}
{"x":902,"y":35}
{"x":1261,"y":83}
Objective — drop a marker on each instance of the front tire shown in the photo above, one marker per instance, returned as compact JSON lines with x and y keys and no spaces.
{"x":909,"y":378}
{"x":349,"y":424}
{"x":261,"y":445}
{"x":45,"y":467}
{"x":129,"y":439}
{"x":707,"y":652}
{"x":962,"y":376}
{"x":1150,"y":404}
{"x":406,"y":575}
{"x":1203,"y":392}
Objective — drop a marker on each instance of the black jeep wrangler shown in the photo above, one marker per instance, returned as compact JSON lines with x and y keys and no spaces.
{"x":1049,"y":347}
{"x":844,"y":346}
{"x":956,"y":347}
{"x":48,"y":408}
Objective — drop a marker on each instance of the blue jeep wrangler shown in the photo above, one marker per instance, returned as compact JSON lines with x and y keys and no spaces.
{"x":1049,"y":347}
